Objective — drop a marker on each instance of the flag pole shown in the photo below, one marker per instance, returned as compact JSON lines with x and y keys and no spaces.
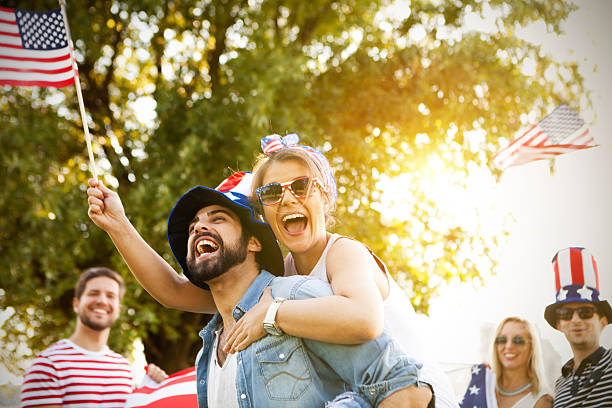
{"x":77,"y":85}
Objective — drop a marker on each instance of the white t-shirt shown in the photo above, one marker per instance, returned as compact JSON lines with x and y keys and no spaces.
{"x":400,"y":323}
{"x":222,"y":379}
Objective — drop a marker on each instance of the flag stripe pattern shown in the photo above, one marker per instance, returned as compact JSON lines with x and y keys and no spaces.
{"x":239,"y":182}
{"x":575,"y":266}
{"x":595,"y":272}
{"x":34,"y":49}
{"x":178,"y":390}
{"x":561,"y":131}
{"x":576,"y":277}
{"x":67,"y":375}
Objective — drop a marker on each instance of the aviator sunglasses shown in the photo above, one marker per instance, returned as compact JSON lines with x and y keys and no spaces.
{"x":272,"y":193}
{"x":518,"y":340}
{"x":566,"y":313}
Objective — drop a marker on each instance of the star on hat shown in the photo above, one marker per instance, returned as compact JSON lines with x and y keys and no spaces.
{"x":585,"y":292}
{"x":562,"y":295}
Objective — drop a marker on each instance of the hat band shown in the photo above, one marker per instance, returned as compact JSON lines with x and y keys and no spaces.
{"x":578,"y":293}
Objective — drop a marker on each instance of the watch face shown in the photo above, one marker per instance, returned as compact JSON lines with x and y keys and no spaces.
{"x":272,"y":330}
{"x":269,"y":322}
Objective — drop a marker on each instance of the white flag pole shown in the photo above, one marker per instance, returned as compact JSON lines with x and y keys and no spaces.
{"x":77,"y":85}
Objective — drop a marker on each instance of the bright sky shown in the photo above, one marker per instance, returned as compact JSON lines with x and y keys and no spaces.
{"x":571,"y":207}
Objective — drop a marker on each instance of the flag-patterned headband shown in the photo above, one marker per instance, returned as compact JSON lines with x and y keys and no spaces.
{"x":576,"y":276}
{"x":274,"y":143}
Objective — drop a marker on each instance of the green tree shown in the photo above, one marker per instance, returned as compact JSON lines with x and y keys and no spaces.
{"x":384,"y":89}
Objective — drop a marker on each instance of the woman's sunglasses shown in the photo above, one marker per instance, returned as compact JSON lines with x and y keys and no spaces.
{"x":566,"y":313}
{"x":518,"y":340}
{"x":272,"y":193}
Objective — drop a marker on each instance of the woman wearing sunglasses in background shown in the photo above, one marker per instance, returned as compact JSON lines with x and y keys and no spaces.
{"x":518,"y":367}
{"x":295,"y":192}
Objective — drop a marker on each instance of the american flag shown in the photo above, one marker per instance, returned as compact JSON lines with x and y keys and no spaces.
{"x":561,"y":131}
{"x":481,"y":390}
{"x":34,"y":49}
{"x":178,"y":390}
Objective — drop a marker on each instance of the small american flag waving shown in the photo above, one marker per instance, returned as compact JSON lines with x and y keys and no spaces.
{"x":34,"y":49}
{"x":561,"y":131}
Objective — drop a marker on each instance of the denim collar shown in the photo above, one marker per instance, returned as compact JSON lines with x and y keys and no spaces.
{"x":253,"y":293}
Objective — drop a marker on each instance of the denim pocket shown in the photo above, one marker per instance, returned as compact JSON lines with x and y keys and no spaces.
{"x":284,"y":365}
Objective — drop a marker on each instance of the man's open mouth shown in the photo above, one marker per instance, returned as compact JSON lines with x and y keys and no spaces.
{"x":204,"y":246}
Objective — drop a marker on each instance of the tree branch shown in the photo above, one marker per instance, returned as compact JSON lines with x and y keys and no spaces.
{"x":311,"y":24}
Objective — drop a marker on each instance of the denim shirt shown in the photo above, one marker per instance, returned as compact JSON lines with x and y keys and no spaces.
{"x":287,"y":371}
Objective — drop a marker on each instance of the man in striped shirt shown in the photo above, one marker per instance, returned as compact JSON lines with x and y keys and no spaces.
{"x":586,"y":379}
{"x":82,"y":371}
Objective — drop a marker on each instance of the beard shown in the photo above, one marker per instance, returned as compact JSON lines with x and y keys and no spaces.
{"x":227,"y":257}
{"x":86,"y":320}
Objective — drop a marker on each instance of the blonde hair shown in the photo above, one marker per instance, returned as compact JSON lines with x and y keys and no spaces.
{"x":535,"y":366}
{"x":264,"y":162}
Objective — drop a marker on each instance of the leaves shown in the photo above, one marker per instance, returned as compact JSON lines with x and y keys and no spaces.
{"x":410,"y":98}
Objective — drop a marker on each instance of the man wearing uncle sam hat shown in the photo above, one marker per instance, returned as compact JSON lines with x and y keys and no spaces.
{"x":580,"y":313}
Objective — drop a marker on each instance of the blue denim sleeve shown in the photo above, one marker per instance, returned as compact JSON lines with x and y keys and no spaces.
{"x":300,"y":287}
{"x":375,"y":369}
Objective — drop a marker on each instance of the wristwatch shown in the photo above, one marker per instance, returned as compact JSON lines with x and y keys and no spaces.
{"x":269,"y":322}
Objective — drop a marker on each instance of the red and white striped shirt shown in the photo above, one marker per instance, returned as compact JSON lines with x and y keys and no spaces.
{"x":68,"y":375}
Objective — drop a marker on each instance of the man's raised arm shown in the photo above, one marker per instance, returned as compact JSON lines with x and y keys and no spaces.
{"x":148,"y":267}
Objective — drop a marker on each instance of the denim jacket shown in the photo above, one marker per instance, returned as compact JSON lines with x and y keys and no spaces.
{"x":287,"y":371}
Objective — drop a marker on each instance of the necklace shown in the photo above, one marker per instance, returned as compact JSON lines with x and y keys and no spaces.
{"x":513,"y":392}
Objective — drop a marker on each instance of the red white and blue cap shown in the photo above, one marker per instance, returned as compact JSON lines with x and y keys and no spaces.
{"x":274,"y":143}
{"x":232,"y":193}
{"x":576,"y":280}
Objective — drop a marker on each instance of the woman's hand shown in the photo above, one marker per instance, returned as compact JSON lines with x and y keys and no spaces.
{"x":250,"y":327}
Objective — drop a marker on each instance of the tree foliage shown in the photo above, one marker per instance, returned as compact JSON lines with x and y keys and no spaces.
{"x":385,"y":90}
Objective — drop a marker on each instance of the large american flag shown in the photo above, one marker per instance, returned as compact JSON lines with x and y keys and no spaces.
{"x":561,"y":131}
{"x":34,"y":49}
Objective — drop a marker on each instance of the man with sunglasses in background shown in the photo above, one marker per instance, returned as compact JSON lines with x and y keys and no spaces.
{"x":586,"y":380}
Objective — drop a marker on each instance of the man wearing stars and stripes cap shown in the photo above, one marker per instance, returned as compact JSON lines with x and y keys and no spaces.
{"x":232,"y":193}
{"x":580,"y":314}
{"x":230,"y":259}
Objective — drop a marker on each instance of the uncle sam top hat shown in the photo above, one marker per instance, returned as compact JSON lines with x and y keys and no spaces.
{"x":232,"y":193}
{"x":576,"y":280}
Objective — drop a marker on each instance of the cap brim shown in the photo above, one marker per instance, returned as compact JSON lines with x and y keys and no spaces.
{"x":190,"y":203}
